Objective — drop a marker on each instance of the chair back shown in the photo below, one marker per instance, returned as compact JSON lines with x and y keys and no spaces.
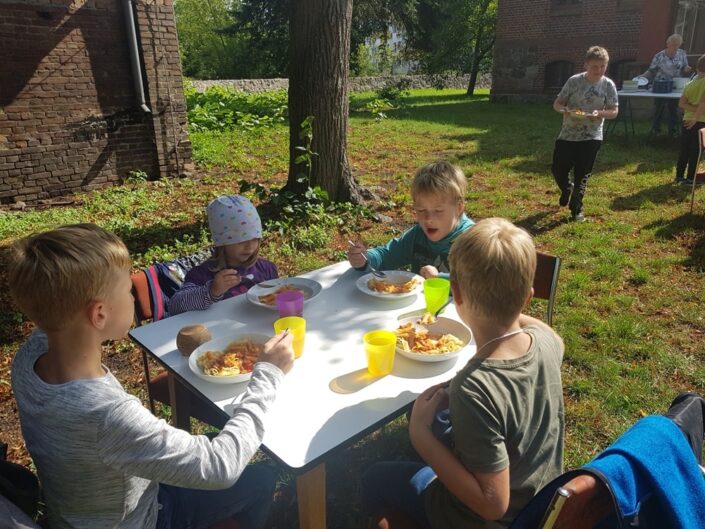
{"x":149,"y":298}
{"x":546,"y":281}
{"x":581,"y":503}
{"x":699,"y":175}
{"x":577,"y":499}
{"x":701,"y":136}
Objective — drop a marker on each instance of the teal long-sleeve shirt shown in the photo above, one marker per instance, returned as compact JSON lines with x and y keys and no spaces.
{"x":414,"y":249}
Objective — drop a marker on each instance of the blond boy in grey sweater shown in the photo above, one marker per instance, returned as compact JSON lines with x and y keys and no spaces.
{"x":103,"y":459}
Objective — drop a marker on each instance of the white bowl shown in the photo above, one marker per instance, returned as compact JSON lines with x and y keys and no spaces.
{"x":441,"y":326}
{"x":392,"y":276}
{"x":219,"y":344}
{"x":309,"y":287}
{"x":679,"y":83}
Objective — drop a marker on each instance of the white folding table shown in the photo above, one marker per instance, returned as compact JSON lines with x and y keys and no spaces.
{"x":625,"y":108}
{"x":328,"y":401}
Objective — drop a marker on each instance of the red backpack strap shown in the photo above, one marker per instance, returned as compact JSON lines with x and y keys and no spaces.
{"x":140,"y":291}
{"x":155,"y":293}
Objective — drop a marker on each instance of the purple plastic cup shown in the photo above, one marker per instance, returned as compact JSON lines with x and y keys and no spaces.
{"x":290,"y":303}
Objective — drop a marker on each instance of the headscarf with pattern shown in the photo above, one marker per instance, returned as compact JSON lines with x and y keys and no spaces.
{"x":233,"y":219}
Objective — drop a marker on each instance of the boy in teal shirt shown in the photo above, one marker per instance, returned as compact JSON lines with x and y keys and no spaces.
{"x":693,"y":104}
{"x":438,"y":192}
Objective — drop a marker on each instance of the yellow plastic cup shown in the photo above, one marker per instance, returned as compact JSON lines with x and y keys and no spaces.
{"x":297,"y":327}
{"x":436,"y":291}
{"x":379,"y":348}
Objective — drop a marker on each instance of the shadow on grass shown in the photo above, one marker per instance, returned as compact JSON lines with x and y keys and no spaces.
{"x":142,"y":238}
{"x":535,"y":226}
{"x":442,"y":98}
{"x":527,"y":133}
{"x":661,"y":194}
{"x":673,"y":228}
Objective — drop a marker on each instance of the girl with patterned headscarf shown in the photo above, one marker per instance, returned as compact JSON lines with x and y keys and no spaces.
{"x":236,"y":230}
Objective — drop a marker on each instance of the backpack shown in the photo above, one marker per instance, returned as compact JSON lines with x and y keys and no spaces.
{"x":164,"y":279}
{"x":19,"y":486}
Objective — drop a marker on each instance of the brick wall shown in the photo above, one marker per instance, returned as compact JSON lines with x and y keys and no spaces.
{"x":533,"y":33}
{"x":69,"y":118}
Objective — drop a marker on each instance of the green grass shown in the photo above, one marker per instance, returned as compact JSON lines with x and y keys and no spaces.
{"x":631,"y":288}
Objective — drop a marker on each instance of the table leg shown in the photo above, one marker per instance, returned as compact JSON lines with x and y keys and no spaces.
{"x":311,"y":494}
{"x":178,"y":397}
{"x":628,"y":115}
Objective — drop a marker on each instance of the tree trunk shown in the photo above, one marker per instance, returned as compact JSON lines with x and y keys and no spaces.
{"x":318,"y":87}
{"x":473,"y":80}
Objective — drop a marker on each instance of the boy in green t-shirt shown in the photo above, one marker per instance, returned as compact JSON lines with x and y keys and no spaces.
{"x":693,"y":104}
{"x":506,"y":404}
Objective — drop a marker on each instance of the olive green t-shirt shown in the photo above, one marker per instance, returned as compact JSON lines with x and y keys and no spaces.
{"x":694,"y":92}
{"x":505,"y":413}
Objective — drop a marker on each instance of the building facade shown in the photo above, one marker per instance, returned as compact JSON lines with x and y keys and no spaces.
{"x":73,"y":114}
{"x":540,"y":43}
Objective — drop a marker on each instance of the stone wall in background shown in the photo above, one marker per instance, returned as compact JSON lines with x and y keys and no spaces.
{"x":356,"y":84}
{"x":69,"y":118}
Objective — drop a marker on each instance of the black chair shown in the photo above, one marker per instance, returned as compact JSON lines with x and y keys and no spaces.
{"x":546,"y":281}
{"x":585,"y":498}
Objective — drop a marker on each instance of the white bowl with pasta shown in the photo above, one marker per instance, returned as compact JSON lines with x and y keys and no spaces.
{"x":431,"y":342}
{"x":228,"y":359}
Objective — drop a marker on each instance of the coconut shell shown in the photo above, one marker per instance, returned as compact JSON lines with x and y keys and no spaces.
{"x":190,"y":337}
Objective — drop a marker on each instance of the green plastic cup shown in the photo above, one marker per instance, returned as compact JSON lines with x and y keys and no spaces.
{"x":436,"y":291}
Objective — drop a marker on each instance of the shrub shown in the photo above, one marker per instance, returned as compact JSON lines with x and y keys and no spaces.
{"x":221,"y":108}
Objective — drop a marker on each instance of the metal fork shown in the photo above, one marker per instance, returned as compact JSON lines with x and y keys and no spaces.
{"x":375,"y":272}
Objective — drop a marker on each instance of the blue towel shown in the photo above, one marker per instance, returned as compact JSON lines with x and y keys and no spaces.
{"x":654,"y":457}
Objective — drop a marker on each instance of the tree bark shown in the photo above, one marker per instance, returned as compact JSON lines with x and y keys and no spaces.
{"x":318,"y":87}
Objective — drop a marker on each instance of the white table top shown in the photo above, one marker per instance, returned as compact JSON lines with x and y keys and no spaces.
{"x":676,"y":94}
{"x":327,"y":400}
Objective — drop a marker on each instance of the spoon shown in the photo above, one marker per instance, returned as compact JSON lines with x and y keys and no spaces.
{"x":374,"y":271}
{"x":450,"y":300}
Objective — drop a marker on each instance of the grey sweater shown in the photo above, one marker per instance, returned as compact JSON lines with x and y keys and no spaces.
{"x":100,"y":454}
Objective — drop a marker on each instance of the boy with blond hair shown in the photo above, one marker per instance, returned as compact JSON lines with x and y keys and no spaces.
{"x":506,"y":404}
{"x":438,"y":192}
{"x":586,"y":100}
{"x":692,"y":102}
{"x":103,"y":460}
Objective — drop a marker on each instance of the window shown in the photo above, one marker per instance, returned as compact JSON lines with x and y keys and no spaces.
{"x":566,"y":7}
{"x":623,"y":70}
{"x":557,"y":73}
{"x":689,"y":19}
{"x":629,"y":5}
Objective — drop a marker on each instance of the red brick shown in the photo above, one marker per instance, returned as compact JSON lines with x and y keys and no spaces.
{"x":48,"y":121}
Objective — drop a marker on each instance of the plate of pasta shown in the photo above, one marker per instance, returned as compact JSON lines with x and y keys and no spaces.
{"x":227,"y":360}
{"x":430,"y":339}
{"x":396,"y":285}
{"x":264,"y":296}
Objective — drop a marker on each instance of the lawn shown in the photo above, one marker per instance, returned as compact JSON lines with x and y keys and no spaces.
{"x":631,"y":289}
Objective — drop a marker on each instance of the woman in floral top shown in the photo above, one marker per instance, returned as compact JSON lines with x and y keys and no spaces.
{"x":667,"y":64}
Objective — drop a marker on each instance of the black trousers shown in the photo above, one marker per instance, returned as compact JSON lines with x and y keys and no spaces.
{"x":667,"y":108}
{"x":690,"y":148}
{"x":580,"y":157}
